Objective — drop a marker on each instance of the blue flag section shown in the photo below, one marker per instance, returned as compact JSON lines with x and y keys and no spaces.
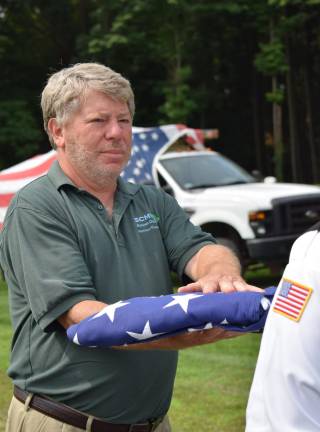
{"x":145,"y":146}
{"x":148,"y":143}
{"x":141,"y":319}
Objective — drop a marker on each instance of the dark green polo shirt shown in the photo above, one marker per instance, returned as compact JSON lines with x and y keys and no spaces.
{"x":59,"y":247}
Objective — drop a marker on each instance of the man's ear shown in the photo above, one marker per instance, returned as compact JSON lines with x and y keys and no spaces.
{"x":56,"y":131}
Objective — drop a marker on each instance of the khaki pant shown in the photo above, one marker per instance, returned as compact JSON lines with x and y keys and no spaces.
{"x":21,"y":418}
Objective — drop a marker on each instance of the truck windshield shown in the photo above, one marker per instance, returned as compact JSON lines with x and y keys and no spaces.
{"x":202,"y":171}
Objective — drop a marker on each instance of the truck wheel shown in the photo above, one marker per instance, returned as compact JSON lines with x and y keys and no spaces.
{"x":231,"y":245}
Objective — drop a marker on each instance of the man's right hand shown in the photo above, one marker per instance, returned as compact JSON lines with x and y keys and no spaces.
{"x":184,"y":340}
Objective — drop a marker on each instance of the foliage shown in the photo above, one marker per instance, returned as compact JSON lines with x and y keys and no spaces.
{"x":178,"y":103}
{"x":271,"y":59}
{"x":19,"y":132}
{"x":276,"y":96}
{"x":207,"y":64}
{"x":294,"y":2}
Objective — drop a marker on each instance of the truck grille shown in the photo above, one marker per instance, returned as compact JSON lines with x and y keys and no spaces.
{"x":295,"y":214}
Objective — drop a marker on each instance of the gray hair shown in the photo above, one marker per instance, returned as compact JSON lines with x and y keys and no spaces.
{"x":65,"y":90}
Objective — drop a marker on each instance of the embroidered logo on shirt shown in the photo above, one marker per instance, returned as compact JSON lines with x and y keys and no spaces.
{"x":292,"y":299}
{"x":147,"y":222}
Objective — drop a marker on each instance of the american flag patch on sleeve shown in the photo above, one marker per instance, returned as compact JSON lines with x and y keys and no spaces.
{"x":292,"y":299}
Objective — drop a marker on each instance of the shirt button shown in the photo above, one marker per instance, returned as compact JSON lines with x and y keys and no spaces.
{"x":100,"y":207}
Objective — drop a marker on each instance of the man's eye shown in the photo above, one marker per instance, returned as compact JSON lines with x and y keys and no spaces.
{"x":96,"y":120}
{"x":124,"y":120}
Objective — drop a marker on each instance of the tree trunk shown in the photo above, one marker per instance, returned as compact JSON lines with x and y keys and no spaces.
{"x":277,"y":122}
{"x":277,"y":134}
{"x":292,"y":115}
{"x":257,"y":122}
{"x":309,"y":114}
{"x":83,"y":13}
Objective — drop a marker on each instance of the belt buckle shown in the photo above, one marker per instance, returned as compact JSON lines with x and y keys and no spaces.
{"x":137,"y":427}
{"x":149,"y":426}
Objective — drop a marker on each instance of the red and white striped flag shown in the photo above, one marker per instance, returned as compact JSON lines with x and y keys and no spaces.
{"x":292,"y":299}
{"x":14,"y":178}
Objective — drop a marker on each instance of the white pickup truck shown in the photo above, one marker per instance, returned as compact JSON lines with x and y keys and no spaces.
{"x":258,"y":220}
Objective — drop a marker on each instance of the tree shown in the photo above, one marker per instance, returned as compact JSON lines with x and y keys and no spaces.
{"x":285,"y":59}
{"x":19,"y":132}
{"x":33,"y":41}
{"x":250,"y":69}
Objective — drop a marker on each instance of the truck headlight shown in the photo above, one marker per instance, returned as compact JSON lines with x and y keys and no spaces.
{"x":260,"y":222}
{"x":257,"y":216}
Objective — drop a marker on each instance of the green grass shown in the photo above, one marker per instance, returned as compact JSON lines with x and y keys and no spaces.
{"x":5,"y":335}
{"x":212,"y":383}
{"x":212,"y":386}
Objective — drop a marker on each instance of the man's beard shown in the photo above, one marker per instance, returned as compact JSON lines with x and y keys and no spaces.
{"x":88,"y":164}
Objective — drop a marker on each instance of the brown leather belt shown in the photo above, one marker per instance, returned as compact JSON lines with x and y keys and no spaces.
{"x":75,"y":418}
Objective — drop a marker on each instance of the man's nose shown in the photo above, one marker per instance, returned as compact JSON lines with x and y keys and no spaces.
{"x":113,"y":129}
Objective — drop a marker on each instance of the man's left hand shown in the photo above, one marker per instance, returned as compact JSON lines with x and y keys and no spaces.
{"x":214,"y":283}
{"x":215,"y":268}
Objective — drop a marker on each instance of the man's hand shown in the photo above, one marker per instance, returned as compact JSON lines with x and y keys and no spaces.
{"x":215,"y":268}
{"x":184,"y":340}
{"x":217,"y":282}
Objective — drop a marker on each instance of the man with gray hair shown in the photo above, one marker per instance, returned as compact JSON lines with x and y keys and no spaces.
{"x":70,"y":246}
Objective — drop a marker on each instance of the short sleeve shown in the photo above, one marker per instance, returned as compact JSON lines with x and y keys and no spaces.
{"x":41,"y":256}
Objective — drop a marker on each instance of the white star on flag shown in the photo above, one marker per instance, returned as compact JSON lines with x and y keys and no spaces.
{"x":182,"y":301}
{"x":140,"y":163}
{"x":208,"y":326}
{"x":225,"y":321}
{"x":75,"y":339}
{"x":146,"y":334}
{"x":110,"y":310}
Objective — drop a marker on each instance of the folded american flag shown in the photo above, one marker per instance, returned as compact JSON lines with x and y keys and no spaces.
{"x":140,"y":319}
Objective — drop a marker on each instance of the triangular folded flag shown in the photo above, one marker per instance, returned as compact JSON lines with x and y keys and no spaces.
{"x":140,"y":319}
